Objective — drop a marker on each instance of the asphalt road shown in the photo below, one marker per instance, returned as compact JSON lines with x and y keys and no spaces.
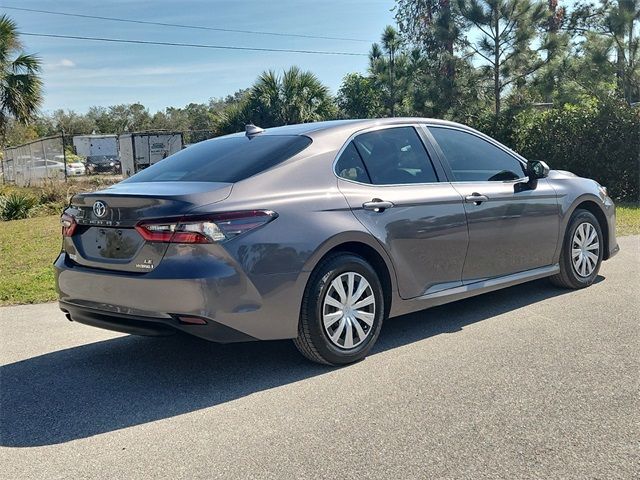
{"x":528,"y":382}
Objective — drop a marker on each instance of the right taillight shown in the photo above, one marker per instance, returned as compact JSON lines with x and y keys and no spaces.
{"x":69,"y":225}
{"x":212,"y":228}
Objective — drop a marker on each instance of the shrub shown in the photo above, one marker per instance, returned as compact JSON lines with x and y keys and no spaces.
{"x":500,"y":127}
{"x":16,"y":206}
{"x":53,"y":191}
{"x":599,"y":140}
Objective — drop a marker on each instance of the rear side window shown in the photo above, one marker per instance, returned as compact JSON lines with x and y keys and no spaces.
{"x":473,"y":159}
{"x":395,"y":156}
{"x":227,"y":159}
{"x":350,"y":165}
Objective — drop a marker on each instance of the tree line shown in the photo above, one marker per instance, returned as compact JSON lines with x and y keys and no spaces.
{"x":455,"y":59}
{"x":503,"y":66}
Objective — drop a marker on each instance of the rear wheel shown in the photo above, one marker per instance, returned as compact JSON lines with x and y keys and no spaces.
{"x":582,"y":250}
{"x":342,"y":311}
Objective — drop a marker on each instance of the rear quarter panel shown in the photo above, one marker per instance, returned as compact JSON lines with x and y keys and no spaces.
{"x":313,"y":217}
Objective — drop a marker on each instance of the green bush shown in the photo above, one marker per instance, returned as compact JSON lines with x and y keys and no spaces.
{"x":52,"y":191}
{"x":16,"y":206}
{"x":599,"y":140}
{"x":596,"y":139}
{"x":500,"y":127}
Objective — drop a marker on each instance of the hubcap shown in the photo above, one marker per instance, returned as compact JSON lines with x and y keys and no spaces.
{"x":348,"y":310}
{"x":585,"y":249}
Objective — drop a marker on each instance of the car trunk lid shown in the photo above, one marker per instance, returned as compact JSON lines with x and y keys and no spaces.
{"x":106,"y":237}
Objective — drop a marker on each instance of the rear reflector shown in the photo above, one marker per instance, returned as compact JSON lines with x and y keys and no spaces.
{"x":192,"y":320}
{"x":212,"y":228}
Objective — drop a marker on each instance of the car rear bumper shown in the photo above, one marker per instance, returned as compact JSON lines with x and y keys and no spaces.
{"x":234,"y":306}
{"x":148,"y":326}
{"x":102,"y":169}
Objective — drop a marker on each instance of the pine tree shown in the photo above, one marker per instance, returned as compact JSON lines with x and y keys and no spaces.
{"x":505,"y":45}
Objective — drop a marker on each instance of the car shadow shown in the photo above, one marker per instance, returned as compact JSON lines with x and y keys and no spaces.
{"x":105,"y":386}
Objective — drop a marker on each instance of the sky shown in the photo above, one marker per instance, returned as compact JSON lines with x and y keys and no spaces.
{"x":80,"y":74}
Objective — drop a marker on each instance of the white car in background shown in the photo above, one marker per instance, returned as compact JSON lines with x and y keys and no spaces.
{"x":75,"y":169}
{"x":38,"y":169}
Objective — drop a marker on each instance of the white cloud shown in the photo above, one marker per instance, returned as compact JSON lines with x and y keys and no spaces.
{"x":60,"y":64}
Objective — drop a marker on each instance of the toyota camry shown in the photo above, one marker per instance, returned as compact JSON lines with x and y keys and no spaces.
{"x":319,"y":232}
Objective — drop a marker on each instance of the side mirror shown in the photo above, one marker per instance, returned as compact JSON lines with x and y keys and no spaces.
{"x":537,"y":169}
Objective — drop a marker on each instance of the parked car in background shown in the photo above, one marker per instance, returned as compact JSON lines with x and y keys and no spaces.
{"x":320,"y":232}
{"x":39,"y":169}
{"x":75,"y":169}
{"x":103,"y":164}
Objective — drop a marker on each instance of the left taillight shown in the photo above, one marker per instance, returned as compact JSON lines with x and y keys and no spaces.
{"x":69,"y":225}
{"x":212,"y":228}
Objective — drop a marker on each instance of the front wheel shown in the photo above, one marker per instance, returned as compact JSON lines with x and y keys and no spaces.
{"x":342,"y":311}
{"x":581,"y":253}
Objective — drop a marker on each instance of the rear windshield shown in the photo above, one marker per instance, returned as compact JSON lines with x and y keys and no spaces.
{"x":101,"y":159}
{"x":226,"y":159}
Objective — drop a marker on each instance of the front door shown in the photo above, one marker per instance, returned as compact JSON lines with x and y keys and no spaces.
{"x":511,"y":229}
{"x":392,"y":188}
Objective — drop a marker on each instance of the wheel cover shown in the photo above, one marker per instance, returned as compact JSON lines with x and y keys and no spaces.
{"x":348,"y":310}
{"x":585,"y":249}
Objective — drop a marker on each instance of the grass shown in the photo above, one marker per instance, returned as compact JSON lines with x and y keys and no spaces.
{"x":27,"y":250}
{"x":29,"y":247}
{"x":627,"y":219}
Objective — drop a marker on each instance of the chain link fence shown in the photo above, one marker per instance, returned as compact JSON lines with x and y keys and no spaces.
{"x":35,"y":162}
{"x":56,"y":158}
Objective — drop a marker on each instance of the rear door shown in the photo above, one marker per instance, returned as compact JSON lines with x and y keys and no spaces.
{"x":394,"y":189}
{"x":510,"y":229}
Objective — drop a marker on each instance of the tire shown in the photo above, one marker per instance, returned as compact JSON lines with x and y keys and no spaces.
{"x":573,"y":273}
{"x":314,"y":339}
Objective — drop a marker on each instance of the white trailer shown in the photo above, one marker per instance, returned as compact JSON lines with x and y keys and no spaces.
{"x":140,"y":150}
{"x":92,"y":145}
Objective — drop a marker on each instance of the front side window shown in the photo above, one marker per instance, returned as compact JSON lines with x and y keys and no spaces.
{"x":473,"y":159}
{"x":226,"y":159}
{"x":389,"y":156}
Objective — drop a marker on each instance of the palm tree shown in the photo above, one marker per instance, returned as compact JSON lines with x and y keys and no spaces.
{"x":295,"y":96}
{"x":20,"y":84}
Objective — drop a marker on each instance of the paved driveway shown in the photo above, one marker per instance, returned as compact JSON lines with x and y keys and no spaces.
{"x":528,"y":382}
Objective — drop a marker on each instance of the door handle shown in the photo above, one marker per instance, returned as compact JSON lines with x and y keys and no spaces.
{"x":377,"y":205}
{"x":476,"y":198}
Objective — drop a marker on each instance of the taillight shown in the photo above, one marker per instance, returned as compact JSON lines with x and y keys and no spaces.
{"x":68,"y":225}
{"x":212,"y":228}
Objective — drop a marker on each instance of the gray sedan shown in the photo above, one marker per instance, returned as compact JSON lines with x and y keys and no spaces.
{"x":320,"y":232}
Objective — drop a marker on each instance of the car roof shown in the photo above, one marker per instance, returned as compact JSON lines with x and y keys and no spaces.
{"x":351,"y":125}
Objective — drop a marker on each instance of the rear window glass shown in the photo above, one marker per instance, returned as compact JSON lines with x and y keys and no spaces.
{"x":227,"y":159}
{"x":102,"y":158}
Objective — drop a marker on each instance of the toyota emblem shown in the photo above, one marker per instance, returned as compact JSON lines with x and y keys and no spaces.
{"x":99,"y":209}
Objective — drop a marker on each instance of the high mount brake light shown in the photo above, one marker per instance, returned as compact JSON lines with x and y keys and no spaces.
{"x":212,"y":228}
{"x":69,"y":225}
